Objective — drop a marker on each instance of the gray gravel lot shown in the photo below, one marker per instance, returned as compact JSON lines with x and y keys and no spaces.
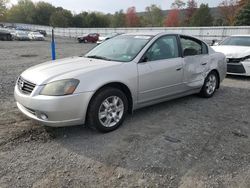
{"x":188,"y":142}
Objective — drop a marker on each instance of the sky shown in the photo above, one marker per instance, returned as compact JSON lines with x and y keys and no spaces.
{"x":110,"y":6}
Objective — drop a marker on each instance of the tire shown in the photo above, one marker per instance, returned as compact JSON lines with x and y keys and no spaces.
{"x":210,"y":85}
{"x":103,"y":115}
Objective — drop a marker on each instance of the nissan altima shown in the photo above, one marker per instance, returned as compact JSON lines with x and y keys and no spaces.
{"x":123,"y":74}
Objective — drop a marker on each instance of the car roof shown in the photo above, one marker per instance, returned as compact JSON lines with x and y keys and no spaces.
{"x":150,"y":33}
{"x":157,"y":33}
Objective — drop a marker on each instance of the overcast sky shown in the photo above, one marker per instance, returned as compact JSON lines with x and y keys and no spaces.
{"x":110,"y":6}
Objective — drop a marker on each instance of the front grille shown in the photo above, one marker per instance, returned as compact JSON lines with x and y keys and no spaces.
{"x":24,"y":86}
{"x":234,"y":60}
{"x":236,"y":68}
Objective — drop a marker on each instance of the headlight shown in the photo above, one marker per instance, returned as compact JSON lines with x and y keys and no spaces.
{"x":60,"y":88}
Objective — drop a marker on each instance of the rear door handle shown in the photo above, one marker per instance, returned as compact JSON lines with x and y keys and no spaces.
{"x":178,"y":69}
{"x":204,"y":63}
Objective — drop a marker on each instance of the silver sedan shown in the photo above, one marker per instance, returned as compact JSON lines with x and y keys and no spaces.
{"x":121,"y":75}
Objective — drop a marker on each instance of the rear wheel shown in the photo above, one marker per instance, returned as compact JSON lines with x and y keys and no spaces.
{"x":107,"y":110}
{"x":210,"y":85}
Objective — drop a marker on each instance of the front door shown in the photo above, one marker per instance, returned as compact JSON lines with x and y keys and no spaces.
{"x":161,"y":72}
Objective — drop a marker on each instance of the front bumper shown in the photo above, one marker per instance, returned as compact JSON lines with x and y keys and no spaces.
{"x":59,"y":111}
{"x":242,"y":68}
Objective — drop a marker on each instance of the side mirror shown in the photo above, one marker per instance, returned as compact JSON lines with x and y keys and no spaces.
{"x":144,"y":59}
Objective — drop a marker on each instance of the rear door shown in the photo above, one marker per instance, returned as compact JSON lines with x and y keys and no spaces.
{"x":196,"y":61}
{"x":161,"y":71}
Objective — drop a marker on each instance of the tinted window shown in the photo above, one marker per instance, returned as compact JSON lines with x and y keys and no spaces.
{"x":164,"y":48}
{"x":192,"y":46}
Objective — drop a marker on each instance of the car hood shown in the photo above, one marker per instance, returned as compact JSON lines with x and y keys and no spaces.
{"x":233,"y":51}
{"x":64,"y":69}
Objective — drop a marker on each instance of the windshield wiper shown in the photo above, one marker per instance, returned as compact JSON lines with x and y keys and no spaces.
{"x":99,"y":57}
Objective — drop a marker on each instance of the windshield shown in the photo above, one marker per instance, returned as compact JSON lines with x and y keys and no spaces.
{"x":236,"y":41}
{"x":122,"y":48}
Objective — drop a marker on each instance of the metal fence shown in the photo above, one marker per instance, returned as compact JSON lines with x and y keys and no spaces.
{"x":206,"y":33}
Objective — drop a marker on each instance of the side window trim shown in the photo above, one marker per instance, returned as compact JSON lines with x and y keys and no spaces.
{"x":173,"y":35}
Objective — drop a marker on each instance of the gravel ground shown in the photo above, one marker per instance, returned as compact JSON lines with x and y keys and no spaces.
{"x":188,"y":142}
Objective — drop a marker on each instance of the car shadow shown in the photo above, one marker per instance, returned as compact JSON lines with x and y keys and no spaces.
{"x":237,"y":77}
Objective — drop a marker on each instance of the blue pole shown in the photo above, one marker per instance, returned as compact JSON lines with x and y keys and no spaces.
{"x":53,"y":46}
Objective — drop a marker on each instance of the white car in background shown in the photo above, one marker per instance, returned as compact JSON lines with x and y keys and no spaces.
{"x":36,"y":36}
{"x":237,"y":51}
{"x":21,"y":35}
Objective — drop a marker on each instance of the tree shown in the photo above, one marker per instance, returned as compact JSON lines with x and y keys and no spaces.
{"x":153,"y":16}
{"x":178,"y":4}
{"x":228,"y":10}
{"x":202,"y":17}
{"x":243,"y":17}
{"x":23,"y":12}
{"x":242,"y":3}
{"x":43,"y":12}
{"x":132,"y":20}
{"x":190,"y":10}
{"x":96,"y":19}
{"x":173,"y":16}
{"x":172,"y":19}
{"x":118,"y":19}
{"x":3,"y":9}
{"x":61,"y":18}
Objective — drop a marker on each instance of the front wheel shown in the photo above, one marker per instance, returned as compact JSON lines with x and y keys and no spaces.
{"x":210,"y":85}
{"x":107,"y":110}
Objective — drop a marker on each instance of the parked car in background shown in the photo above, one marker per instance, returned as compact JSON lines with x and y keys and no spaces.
{"x":21,"y":35}
{"x":92,"y":37}
{"x":5,"y":35}
{"x":237,"y":51}
{"x":36,"y":36}
{"x":125,"y":73}
{"x":109,"y":36}
{"x":43,"y":32}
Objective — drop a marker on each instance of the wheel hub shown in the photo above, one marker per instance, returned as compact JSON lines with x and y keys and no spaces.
{"x":111,"y":111}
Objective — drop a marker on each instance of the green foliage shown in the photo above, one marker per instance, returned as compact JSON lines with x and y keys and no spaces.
{"x":118,"y":19}
{"x":43,"y":12}
{"x":202,"y":17}
{"x":61,"y":18}
{"x":3,"y":9}
{"x":153,"y":16}
{"x":97,"y":20}
{"x":243,"y":17}
{"x":23,"y":12}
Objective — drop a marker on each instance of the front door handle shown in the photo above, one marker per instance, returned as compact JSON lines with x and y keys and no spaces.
{"x":204,"y":63}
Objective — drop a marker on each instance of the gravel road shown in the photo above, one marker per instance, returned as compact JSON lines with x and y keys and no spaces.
{"x":188,"y":142}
